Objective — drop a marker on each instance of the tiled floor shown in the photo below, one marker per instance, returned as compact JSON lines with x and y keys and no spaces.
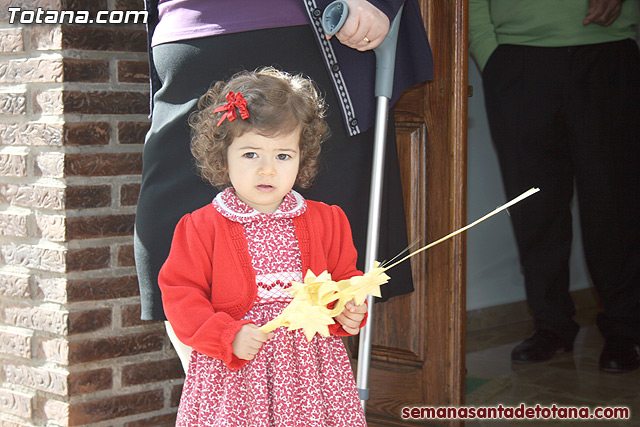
{"x":567,"y":380}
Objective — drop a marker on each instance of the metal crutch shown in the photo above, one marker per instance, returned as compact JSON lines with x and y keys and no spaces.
{"x":334,"y":16}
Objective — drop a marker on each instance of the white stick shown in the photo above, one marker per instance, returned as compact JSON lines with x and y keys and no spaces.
{"x":497,"y":210}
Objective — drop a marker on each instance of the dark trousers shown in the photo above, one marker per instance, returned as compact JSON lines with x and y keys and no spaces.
{"x":565,"y":118}
{"x":171,"y":186}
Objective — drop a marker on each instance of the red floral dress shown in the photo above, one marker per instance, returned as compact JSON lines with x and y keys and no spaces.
{"x":290,"y":382}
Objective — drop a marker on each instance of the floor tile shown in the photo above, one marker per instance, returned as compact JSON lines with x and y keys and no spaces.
{"x":566,"y":380}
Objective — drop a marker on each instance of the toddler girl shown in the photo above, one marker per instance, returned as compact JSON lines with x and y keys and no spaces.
{"x":232,"y":261}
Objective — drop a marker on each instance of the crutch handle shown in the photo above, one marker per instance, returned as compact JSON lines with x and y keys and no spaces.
{"x":334,"y":17}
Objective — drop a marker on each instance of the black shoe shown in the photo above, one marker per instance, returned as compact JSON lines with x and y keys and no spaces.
{"x":540,"y":346}
{"x":620,"y":354}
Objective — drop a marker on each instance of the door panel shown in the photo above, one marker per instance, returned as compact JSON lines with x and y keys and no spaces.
{"x":418,"y":339}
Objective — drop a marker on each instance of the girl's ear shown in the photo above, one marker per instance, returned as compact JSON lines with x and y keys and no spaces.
{"x":225,"y":169}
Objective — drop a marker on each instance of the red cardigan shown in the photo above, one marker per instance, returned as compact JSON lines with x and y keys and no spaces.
{"x":208,"y":283}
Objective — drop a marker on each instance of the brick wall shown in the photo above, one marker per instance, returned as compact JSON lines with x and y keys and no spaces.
{"x":73,"y":114}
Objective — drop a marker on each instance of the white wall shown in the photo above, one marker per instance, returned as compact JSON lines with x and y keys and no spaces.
{"x":493,"y":271}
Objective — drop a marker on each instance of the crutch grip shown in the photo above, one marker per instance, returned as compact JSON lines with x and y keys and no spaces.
{"x":334,"y":16}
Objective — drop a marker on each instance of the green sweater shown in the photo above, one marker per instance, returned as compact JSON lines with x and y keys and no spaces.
{"x":545,"y":23}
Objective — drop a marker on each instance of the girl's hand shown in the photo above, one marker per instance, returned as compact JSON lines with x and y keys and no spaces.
{"x":249,"y":341}
{"x":351,"y":317}
{"x":365,"y":27}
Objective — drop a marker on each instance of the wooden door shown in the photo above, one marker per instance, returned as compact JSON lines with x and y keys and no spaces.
{"x":417,"y":356}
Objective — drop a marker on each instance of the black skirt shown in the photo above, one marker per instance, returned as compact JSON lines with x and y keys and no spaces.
{"x":171,"y":186}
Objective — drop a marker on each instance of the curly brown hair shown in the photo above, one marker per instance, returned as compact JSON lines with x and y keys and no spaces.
{"x":278,"y":104}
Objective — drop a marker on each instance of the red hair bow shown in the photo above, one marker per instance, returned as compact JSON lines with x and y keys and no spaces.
{"x":234,"y":100}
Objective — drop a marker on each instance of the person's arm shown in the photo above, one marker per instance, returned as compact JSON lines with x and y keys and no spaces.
{"x":185,"y":282}
{"x":482,"y":36}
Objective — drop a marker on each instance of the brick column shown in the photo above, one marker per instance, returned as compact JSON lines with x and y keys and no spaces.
{"x":73,"y":114}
